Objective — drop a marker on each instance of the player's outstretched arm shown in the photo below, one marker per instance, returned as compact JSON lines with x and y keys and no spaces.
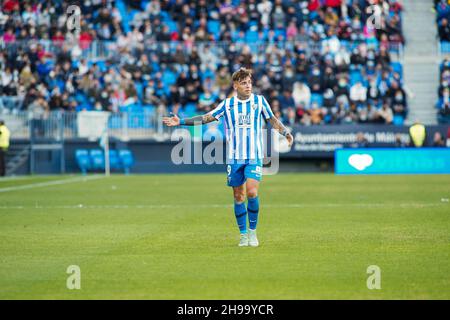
{"x":193,"y":121}
{"x":277,"y":125}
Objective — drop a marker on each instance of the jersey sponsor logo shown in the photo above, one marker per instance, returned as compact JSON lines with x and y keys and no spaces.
{"x":244,"y":119}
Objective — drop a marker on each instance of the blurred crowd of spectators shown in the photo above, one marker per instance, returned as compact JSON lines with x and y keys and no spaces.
{"x":316,"y":61}
{"x":442,"y":19}
{"x":443,"y":104}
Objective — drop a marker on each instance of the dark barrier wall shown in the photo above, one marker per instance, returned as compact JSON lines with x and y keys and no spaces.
{"x":150,"y":156}
{"x":313,"y":149}
{"x":315,"y":143}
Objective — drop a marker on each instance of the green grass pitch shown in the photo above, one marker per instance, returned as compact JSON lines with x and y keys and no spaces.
{"x":175,"y":237}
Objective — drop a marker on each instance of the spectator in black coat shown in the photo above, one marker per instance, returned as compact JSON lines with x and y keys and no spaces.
{"x":444,"y":30}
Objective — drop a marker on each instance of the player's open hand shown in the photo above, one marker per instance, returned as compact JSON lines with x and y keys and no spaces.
{"x":171,"y":121}
{"x":290,"y":139}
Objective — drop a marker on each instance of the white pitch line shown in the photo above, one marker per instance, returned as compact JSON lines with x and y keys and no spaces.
{"x":50,"y":183}
{"x":175,"y":206}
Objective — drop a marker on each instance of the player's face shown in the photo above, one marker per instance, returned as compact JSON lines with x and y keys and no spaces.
{"x":244,"y":87}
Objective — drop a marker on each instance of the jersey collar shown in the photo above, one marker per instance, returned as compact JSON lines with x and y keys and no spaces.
{"x":247,"y":100}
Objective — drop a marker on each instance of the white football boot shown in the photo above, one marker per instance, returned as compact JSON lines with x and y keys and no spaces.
{"x":253,"y":240}
{"x":244,"y":240}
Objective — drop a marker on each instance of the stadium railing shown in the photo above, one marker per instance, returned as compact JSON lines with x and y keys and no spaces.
{"x":91,"y":51}
{"x":102,"y":50}
{"x":60,"y":125}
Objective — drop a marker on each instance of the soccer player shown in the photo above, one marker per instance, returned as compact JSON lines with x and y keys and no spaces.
{"x":243,"y":115}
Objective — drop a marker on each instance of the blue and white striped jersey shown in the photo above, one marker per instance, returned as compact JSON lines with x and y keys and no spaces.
{"x":243,"y":120}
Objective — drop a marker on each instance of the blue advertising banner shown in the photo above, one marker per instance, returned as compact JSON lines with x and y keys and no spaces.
{"x":392,"y":161}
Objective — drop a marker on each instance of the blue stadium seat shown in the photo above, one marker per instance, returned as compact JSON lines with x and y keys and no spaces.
{"x":101,"y":65}
{"x":213,"y":27}
{"x":207,"y":74}
{"x":345,"y":44}
{"x":236,"y":37}
{"x":328,"y":117}
{"x":397,"y":67}
{"x":173,"y":27}
{"x":144,"y":4}
{"x":445,"y":47}
{"x":252,"y":24}
{"x":61,"y":84}
{"x":372,"y":43}
{"x":190,"y":108}
{"x":121,"y":6}
{"x":114,"y":161}
{"x":169,"y":78}
{"x":80,"y":97}
{"x":353,"y":45}
{"x":131,"y":14}
{"x":439,"y":103}
{"x":126,"y":159}
{"x":251,"y":36}
{"x":355,"y":76}
{"x":84,"y":106}
{"x":139,"y":89}
{"x":82,"y":159}
{"x":280,"y":32}
{"x":164,"y":15}
{"x":318,"y":98}
{"x":398,"y":120}
{"x":97,"y":159}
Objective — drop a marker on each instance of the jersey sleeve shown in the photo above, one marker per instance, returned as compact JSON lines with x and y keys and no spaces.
{"x":266,"y":109}
{"x":218,"y":112}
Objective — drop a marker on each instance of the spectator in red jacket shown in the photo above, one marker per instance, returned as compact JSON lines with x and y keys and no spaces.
{"x":85,"y":39}
{"x":10,"y":6}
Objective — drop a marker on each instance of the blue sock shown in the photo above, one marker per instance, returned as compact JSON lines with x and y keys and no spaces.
{"x":253,"y":209}
{"x":241,"y":216}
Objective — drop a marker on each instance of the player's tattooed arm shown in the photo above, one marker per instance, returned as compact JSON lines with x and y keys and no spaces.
{"x":277,"y":125}
{"x":193,"y":121}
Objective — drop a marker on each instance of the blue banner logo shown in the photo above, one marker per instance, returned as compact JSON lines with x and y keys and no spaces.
{"x":392,"y":161}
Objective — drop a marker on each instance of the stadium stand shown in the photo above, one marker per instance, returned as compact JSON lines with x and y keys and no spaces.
{"x":316,"y":60}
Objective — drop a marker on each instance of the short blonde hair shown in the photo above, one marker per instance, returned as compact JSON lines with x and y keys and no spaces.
{"x":241,"y":74}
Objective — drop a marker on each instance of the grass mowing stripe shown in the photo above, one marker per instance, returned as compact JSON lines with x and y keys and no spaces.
{"x":175,"y":206}
{"x":49,"y":183}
